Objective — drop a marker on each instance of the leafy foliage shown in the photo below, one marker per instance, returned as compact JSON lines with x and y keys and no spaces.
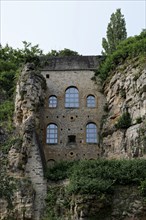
{"x":127,"y":49}
{"x":60,"y":171}
{"x":116,"y":32}
{"x":62,"y":53}
{"x":99,"y":176}
{"x":10,"y":62}
{"x":51,"y":203}
{"x":92,"y":177}
{"x":124,"y":121}
{"x":6,"y":113}
{"x":12,"y":140}
{"x":7,"y":186}
{"x":143,"y":188}
{"x":6,"y":110}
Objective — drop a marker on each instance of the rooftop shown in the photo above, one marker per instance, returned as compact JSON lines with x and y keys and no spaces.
{"x":72,"y":63}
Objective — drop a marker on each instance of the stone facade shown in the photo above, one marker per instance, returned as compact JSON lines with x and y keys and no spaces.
{"x":60,"y":74}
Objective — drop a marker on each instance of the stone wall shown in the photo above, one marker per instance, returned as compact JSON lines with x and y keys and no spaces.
{"x":34,"y":170}
{"x":72,"y":63}
{"x":72,"y":121}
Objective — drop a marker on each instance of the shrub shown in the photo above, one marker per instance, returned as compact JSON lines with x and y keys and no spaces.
{"x":60,"y":171}
{"x":17,"y":141}
{"x":6,"y":110}
{"x":7,"y":187}
{"x":143,"y":188}
{"x":138,"y":120}
{"x":124,"y":121}
{"x":99,"y":176}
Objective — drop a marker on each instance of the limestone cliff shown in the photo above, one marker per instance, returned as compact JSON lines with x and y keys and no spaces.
{"x":24,"y":158}
{"x":125,"y":92}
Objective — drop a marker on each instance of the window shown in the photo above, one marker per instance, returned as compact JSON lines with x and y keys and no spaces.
{"x":91,"y":133}
{"x":52,"y":101}
{"x":91,"y":101}
{"x":71,"y":139}
{"x":52,"y":134}
{"x":72,"y":98}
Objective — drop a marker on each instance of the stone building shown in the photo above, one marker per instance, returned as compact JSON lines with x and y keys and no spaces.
{"x":73,"y":109}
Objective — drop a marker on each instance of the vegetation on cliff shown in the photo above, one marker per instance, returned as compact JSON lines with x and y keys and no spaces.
{"x":130,"y":48}
{"x":98,"y":177}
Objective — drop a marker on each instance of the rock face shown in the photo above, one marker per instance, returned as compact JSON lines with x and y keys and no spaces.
{"x":25,"y":158}
{"x":125,"y":92}
{"x":125,"y":203}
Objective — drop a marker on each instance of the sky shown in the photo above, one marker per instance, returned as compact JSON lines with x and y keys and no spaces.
{"x":77,"y":25}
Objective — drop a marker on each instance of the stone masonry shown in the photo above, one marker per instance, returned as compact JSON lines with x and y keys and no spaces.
{"x":34,"y":170}
{"x":60,"y":74}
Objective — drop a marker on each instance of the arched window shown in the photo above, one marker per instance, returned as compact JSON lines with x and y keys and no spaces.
{"x":52,"y":101}
{"x":72,"y":98}
{"x":91,"y":101}
{"x":91,"y":133}
{"x":52,"y":134}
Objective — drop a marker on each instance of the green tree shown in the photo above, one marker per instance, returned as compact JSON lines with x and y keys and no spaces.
{"x":116,"y":32}
{"x":62,"y":53}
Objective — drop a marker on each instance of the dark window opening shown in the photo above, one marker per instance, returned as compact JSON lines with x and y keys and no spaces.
{"x":47,"y":76}
{"x":71,"y":139}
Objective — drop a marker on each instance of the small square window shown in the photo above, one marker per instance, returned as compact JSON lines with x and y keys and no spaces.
{"x":71,"y":139}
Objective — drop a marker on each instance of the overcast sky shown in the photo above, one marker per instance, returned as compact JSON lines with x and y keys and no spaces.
{"x":77,"y":25}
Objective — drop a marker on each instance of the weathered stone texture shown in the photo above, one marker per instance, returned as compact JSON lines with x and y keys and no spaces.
{"x":72,"y":121}
{"x":34,"y":170}
{"x":73,"y":63}
{"x":125,"y":92}
{"x":124,"y":203}
{"x":24,"y":159}
{"x":22,"y":202}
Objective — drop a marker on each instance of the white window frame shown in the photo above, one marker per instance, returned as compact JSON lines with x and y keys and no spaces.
{"x":91,"y":101}
{"x":52,"y":134}
{"x":52,"y":102}
{"x":72,"y":97}
{"x":91,"y":133}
